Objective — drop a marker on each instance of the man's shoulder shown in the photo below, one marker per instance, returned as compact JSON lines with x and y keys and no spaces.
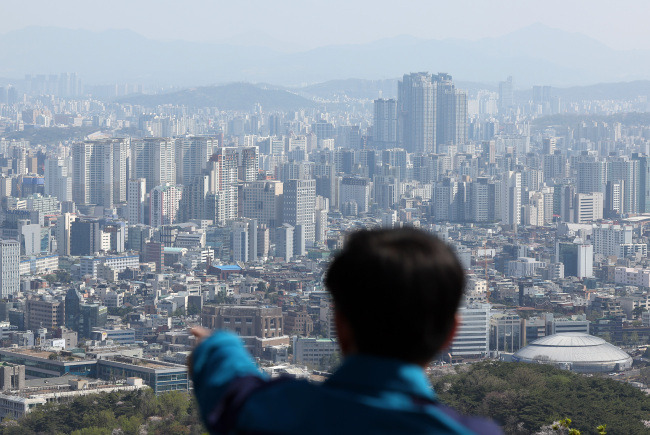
{"x":293,"y":406}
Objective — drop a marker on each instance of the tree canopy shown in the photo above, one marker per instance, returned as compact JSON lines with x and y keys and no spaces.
{"x":525,"y":397}
{"x":99,"y":414}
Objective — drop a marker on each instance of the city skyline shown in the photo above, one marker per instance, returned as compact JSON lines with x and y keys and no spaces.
{"x":138,"y":206}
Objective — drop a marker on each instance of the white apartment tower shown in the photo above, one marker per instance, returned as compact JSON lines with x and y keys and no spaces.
{"x":223,"y":179}
{"x":9,"y":267}
{"x":99,"y":172}
{"x":192,"y":155}
{"x":58,"y":179}
{"x":154,"y":159}
{"x":137,"y":195}
{"x":164,"y":204}
{"x":298,"y":206}
{"x":510,"y":198}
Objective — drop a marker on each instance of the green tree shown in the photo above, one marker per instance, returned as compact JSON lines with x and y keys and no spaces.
{"x":93,"y":431}
{"x":637,"y":311}
{"x":130,"y":425}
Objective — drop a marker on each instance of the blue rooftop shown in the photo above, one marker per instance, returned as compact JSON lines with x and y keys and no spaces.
{"x":228,"y":267}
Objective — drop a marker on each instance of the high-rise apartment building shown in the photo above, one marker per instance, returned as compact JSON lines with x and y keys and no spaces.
{"x":506,"y":95}
{"x":298,"y":206}
{"x":510,"y":198}
{"x":625,"y":170}
{"x":357,"y":190}
{"x":247,"y":163}
{"x":384,"y":130}
{"x":9,"y":268}
{"x":137,"y":195}
{"x":451,"y":112}
{"x":164,"y":204}
{"x":262,"y":200}
{"x":58,"y":179}
{"x":643,"y":189}
{"x":417,"y":113}
{"x":592,"y":176}
{"x":192,"y":155}
{"x":431,"y":113}
{"x":99,"y":172}
{"x":223,"y":168}
{"x":154,"y":159}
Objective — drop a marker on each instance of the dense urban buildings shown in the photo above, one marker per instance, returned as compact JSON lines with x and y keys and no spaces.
{"x":167,"y":216}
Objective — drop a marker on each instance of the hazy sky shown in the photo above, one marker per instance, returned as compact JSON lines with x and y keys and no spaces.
{"x":308,"y":23}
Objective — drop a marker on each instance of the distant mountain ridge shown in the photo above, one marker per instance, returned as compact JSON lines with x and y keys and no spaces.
{"x":234,"y":96}
{"x":533,"y":55}
{"x":244,"y":96}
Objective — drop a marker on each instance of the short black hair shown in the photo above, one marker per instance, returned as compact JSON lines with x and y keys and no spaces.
{"x":399,"y":290}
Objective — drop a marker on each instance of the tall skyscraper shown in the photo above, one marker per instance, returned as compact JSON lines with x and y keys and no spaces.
{"x":261,"y":200}
{"x":192,"y":155}
{"x":592,"y":176}
{"x":99,"y":172}
{"x":63,"y":226}
{"x":193,"y":204}
{"x":154,"y":159}
{"x":622,"y":169}
{"x":164,"y":204}
{"x":9,"y":267}
{"x":397,"y":158}
{"x":299,"y":205}
{"x":510,"y":198}
{"x":384,"y":130}
{"x":137,"y":195}
{"x":643,"y":190}
{"x":506,"y":95}
{"x":58,"y":179}
{"x":451,"y":112}
{"x":224,"y":170}
{"x":248,"y":163}
{"x":417,"y":113}
{"x":431,"y":113}
{"x":357,"y":190}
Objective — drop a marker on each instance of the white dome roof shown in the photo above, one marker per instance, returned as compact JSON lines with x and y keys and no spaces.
{"x":575,"y":350}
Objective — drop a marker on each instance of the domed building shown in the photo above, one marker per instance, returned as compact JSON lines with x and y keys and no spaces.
{"x":575,"y":351}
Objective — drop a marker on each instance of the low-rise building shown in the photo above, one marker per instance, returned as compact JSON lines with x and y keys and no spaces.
{"x":314,"y":351}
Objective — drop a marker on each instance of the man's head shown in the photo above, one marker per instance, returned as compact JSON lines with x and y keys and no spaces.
{"x":397,"y":291}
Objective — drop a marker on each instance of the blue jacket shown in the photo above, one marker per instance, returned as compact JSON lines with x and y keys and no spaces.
{"x":368,"y":395}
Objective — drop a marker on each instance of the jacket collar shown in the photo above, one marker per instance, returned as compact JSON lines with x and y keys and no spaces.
{"x":366,"y":373}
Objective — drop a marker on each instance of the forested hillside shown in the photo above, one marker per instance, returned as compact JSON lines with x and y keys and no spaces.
{"x":526,"y":397}
{"x":99,"y":414}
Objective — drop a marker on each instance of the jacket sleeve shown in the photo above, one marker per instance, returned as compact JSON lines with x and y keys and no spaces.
{"x":219,"y":365}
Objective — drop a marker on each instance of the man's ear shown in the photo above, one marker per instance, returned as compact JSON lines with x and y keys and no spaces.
{"x":452,"y":332}
{"x":344,"y":333}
